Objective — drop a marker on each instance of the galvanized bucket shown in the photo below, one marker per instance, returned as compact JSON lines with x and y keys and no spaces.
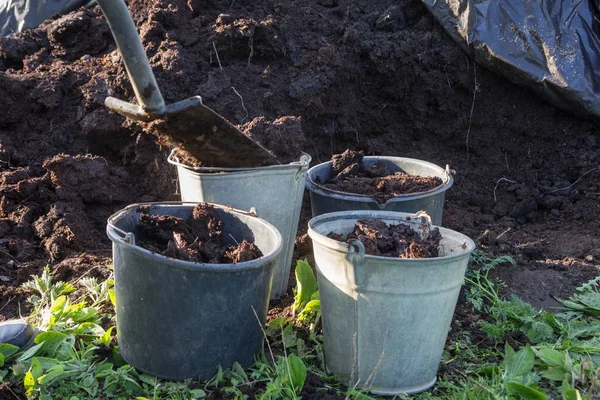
{"x":324,"y":200}
{"x":275,"y":192}
{"x":385,"y":320}
{"x":178,"y":319}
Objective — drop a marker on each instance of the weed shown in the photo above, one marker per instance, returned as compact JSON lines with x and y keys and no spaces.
{"x":76,"y":358}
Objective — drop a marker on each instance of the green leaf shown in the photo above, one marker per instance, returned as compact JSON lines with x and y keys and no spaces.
{"x":519,"y":363}
{"x":306,"y":284}
{"x":313,"y":306}
{"x":90,"y":329}
{"x":239,"y":372}
{"x":553,"y":358}
{"x":50,"y":341}
{"x":36,"y":368}
{"x":555,"y":374}
{"x":276,"y":324}
{"x":525,"y":392}
{"x":88,"y":381}
{"x":31,"y":352}
{"x":197,"y":393}
{"x":297,"y":371}
{"x":289,"y":336}
{"x":58,"y":304}
{"x":111,"y":295}
{"x":8,"y":350}
{"x":150,"y":380}
{"x":106,"y":337}
{"x":568,"y":392}
{"x":29,"y":382}
{"x":53,"y":373}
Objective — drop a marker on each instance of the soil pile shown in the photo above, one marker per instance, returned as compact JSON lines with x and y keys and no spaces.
{"x":351,"y":175}
{"x":401,"y":240}
{"x":378,"y":76}
{"x":197,"y":239}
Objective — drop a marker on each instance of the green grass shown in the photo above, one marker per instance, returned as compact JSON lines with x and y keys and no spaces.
{"x":550,"y":356}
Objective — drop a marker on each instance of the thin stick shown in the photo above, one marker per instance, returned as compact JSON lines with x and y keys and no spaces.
{"x":10,"y":255}
{"x":375,"y":371}
{"x":243,"y":106}
{"x":218,"y":59}
{"x":574,"y":183}
{"x":503,"y":233}
{"x":251,"y":46}
{"x":472,"y":108}
{"x":264,"y":334}
{"x":5,"y":304}
{"x":497,"y":183}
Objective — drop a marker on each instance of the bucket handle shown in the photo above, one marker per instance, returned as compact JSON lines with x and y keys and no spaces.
{"x":425,"y":223}
{"x":449,"y":172}
{"x":127,"y":237}
{"x":356,"y":256}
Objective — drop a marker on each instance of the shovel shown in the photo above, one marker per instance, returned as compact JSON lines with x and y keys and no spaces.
{"x":187,"y":124}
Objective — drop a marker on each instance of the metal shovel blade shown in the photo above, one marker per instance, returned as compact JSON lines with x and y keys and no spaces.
{"x":188,"y":124}
{"x":199,"y":131}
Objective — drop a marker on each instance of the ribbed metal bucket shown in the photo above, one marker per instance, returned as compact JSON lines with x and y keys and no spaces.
{"x":275,"y":192}
{"x":178,"y":319}
{"x":385,"y":320}
{"x":324,"y":200}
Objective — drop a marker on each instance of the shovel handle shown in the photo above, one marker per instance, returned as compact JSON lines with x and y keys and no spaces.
{"x":134,"y":56}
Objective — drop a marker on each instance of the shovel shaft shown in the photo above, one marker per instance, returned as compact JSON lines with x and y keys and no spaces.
{"x":134,"y":56}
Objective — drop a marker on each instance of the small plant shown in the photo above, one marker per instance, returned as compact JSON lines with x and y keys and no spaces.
{"x":306,"y":300}
{"x":586,"y":300}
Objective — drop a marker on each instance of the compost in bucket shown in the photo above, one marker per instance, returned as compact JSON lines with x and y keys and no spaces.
{"x":351,"y":175}
{"x":389,"y":240}
{"x":198,"y":238}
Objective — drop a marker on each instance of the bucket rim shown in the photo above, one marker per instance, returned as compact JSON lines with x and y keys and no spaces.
{"x":116,"y":235}
{"x":406,"y":218}
{"x":303,"y":163}
{"x":315,"y":187}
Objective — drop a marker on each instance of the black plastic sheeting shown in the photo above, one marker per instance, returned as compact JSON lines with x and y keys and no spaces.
{"x":550,"y":46}
{"x":17,"y":15}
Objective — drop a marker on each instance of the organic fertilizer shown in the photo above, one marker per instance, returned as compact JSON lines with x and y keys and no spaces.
{"x":402,"y":241}
{"x":351,"y":175}
{"x":197,"y":239}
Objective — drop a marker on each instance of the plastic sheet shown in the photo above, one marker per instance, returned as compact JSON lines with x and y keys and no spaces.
{"x":550,"y":46}
{"x":17,"y":15}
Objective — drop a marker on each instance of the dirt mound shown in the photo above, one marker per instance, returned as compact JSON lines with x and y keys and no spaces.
{"x":377,"y":76}
{"x":197,"y":239}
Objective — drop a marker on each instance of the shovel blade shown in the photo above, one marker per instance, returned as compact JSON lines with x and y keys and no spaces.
{"x":205,"y":135}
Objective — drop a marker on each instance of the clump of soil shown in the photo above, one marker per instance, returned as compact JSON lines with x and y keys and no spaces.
{"x":401,"y":241}
{"x":283,"y":137}
{"x":351,"y":175}
{"x":197,"y":239}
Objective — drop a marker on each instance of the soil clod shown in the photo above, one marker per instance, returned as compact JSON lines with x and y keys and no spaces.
{"x":197,"y":239}
{"x":401,"y":240}
{"x":351,"y":175}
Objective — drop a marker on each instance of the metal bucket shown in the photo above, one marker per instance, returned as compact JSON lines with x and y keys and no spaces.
{"x":275,"y":192}
{"x":178,"y":319}
{"x":324,"y":200}
{"x":385,"y":320}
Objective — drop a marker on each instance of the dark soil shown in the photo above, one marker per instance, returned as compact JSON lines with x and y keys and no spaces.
{"x":351,"y":175}
{"x":400,"y":241}
{"x":315,"y":75}
{"x":12,"y":391}
{"x":197,"y":239}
